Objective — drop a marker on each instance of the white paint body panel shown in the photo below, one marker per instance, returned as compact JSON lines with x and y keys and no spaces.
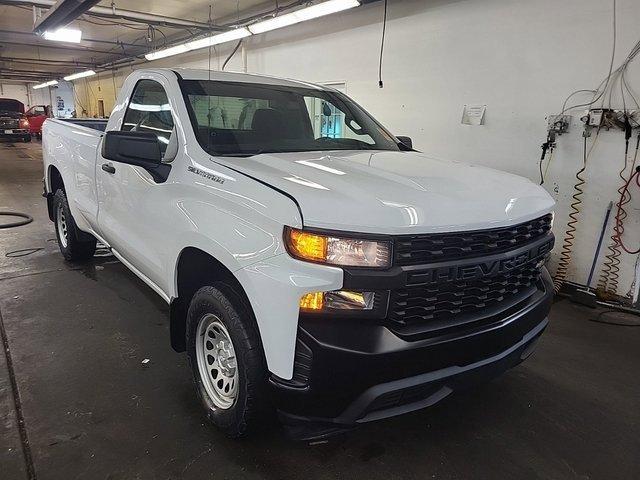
{"x":398,"y":192}
{"x":240,"y":219}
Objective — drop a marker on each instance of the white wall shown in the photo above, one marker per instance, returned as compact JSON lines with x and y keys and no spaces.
{"x":519,"y":57}
{"x":25,"y":93}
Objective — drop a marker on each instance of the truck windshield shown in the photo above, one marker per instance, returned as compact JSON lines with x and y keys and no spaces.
{"x":244,"y":119}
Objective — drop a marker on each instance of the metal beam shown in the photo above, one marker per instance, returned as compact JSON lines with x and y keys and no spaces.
{"x":129,"y":15}
{"x":90,"y":40}
{"x":34,"y":73}
{"x":64,"y":48}
{"x":45,"y":61}
{"x":62,"y":14}
{"x":17,"y":80}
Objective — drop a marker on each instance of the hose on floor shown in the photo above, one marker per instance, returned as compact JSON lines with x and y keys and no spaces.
{"x":25,"y":219}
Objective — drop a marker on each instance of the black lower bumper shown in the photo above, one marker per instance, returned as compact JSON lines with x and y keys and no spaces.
{"x":358,"y":373}
{"x":16,"y":134}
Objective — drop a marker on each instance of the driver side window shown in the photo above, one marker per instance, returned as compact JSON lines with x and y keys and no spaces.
{"x":149,"y":111}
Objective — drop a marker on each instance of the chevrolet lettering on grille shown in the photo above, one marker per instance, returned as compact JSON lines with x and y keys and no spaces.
{"x":484,"y":269}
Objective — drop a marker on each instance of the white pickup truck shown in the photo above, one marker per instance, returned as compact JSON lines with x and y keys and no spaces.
{"x":315,"y":264}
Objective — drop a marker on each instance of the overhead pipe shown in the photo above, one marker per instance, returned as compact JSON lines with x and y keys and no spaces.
{"x":114,"y":12}
{"x":29,"y":73}
{"x":45,"y":61}
{"x":66,"y":48}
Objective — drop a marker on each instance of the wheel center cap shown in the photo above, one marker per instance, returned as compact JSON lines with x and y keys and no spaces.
{"x":225,"y":362}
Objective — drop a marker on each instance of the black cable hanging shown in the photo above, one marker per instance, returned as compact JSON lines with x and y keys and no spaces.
{"x":232,"y":53}
{"x":384,"y":30}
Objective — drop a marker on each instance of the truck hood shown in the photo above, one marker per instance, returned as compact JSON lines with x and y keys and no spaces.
{"x":396,"y":192}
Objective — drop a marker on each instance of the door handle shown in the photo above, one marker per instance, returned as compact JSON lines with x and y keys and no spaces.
{"x":107,"y":167}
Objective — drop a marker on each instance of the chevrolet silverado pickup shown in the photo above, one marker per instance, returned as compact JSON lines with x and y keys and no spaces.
{"x":316,"y":265}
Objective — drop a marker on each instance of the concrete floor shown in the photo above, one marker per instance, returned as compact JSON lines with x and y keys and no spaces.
{"x":92,"y":409}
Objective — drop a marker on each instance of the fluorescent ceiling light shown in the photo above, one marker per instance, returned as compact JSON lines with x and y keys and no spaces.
{"x":167,"y":52}
{"x":75,"y":76}
{"x":70,"y":35}
{"x":315,"y":11}
{"x":229,"y":36}
{"x":45,"y":84}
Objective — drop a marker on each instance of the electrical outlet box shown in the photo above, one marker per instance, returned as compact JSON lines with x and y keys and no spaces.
{"x":558,"y":124}
{"x":595,"y":117}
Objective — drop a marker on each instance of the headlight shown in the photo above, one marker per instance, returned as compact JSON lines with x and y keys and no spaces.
{"x":340,"y":251}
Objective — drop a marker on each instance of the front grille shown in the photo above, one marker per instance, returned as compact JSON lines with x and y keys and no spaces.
{"x":440,"y":247}
{"x":9,"y":123}
{"x":447,"y":303}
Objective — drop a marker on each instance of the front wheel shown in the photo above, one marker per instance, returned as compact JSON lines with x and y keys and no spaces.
{"x":72,"y":247}
{"x":226,"y":359}
{"x":26,"y":139}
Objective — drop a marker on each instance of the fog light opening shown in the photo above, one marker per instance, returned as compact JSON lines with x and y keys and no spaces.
{"x":337,"y":300}
{"x":312,"y":301}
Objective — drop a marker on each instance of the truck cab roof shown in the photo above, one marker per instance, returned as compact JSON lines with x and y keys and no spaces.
{"x":240,"y":77}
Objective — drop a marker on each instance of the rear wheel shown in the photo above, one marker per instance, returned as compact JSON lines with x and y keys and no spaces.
{"x":226,"y":359}
{"x":74,"y":248}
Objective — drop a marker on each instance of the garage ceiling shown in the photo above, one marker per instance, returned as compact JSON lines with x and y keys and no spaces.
{"x":26,"y":56}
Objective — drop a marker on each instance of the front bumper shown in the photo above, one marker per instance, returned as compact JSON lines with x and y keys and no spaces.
{"x":15,"y":133}
{"x":358,"y":373}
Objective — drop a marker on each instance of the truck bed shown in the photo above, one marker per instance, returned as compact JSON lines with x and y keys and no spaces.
{"x":99,"y":124}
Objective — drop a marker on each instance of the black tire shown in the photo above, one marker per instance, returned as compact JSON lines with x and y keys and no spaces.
{"x":251,"y":406}
{"x":27,"y":139}
{"x":79,"y":246}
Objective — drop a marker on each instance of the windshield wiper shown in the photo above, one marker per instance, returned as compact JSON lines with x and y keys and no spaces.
{"x":247,"y":154}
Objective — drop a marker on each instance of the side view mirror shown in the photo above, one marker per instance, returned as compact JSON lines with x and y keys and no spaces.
{"x":141,"y":149}
{"x":406,"y":141}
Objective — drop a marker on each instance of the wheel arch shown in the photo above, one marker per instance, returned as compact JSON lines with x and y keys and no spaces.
{"x":54,"y":182}
{"x":196,"y":268}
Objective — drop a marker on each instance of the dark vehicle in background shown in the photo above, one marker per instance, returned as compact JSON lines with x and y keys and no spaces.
{"x":36,"y":116}
{"x":13,"y":122}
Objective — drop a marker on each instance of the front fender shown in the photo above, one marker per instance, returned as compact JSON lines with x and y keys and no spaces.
{"x":274,"y":288}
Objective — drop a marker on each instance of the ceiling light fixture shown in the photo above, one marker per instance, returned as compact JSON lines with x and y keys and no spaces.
{"x":45,"y":84}
{"x":70,"y":35}
{"x":75,"y":76}
{"x":309,"y":13}
{"x":224,"y":37}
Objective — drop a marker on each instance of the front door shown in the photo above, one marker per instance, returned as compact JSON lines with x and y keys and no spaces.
{"x":36,"y":115}
{"x":132,"y":205}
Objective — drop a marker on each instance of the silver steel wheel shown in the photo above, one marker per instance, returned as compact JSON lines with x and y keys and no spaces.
{"x":63,"y":231}
{"x":217,"y":361}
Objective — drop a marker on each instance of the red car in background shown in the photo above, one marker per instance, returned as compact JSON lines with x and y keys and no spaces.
{"x":36,"y":116}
